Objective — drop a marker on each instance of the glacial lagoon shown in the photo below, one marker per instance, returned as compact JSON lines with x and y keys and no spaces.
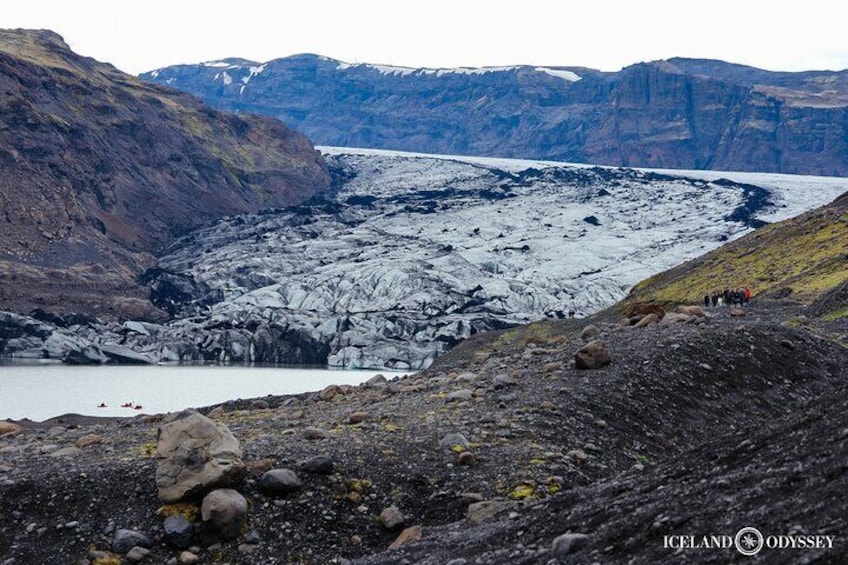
{"x":42,"y":391}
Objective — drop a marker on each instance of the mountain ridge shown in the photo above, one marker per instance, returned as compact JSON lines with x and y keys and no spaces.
{"x":677,"y":113}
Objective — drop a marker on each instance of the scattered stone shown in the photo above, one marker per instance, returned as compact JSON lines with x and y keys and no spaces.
{"x":392,"y":518}
{"x":246,"y":548}
{"x":459,"y":395}
{"x":259,"y":404}
{"x":551,"y":367}
{"x":355,"y":539}
{"x":8,"y":428}
{"x":188,"y":558}
{"x":217,"y":412}
{"x":314,"y":434}
{"x":70,"y":452}
{"x":280,"y":482}
{"x":256,"y":468}
{"x":471,"y":497}
{"x":318,"y":465}
{"x":125,"y":540}
{"x":377,"y":381}
{"x":409,"y":535}
{"x":479,"y":512}
{"x":601,"y":423}
{"x":787,"y":344}
{"x":592,"y":356}
{"x":676,"y":318}
{"x":358,"y":417}
{"x":567,"y":544}
{"x":578,"y":455}
{"x":450,"y":441}
{"x":503,"y":381}
{"x":643,"y":309}
{"x":252,"y":537}
{"x":467,"y":458}
{"x":649,"y":320}
{"x":88,"y":440}
{"x":692,"y":311}
{"x":589,"y":332}
{"x":459,"y":561}
{"x":329,"y":392}
{"x":137,"y":554}
{"x":194,"y":456}
{"x":737,"y":313}
{"x":178,"y":531}
{"x":226,"y":511}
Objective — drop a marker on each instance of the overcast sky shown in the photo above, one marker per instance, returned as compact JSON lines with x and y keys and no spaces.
{"x":139,"y":36}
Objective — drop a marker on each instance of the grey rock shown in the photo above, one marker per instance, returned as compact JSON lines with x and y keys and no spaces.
{"x":318,"y":465}
{"x":226,"y":511}
{"x":137,"y":554}
{"x":178,"y":532}
{"x":314,"y":434}
{"x":392,"y":518}
{"x":188,"y":558}
{"x":459,"y":395}
{"x":194,"y":455}
{"x":589,"y":332}
{"x":503,"y":381}
{"x":125,"y":540}
{"x":451,"y":440}
{"x":280,"y":482}
{"x":479,"y":512}
{"x":567,"y":544}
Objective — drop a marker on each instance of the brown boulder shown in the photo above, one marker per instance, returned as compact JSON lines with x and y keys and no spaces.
{"x":592,"y":356}
{"x":737,"y":313}
{"x":225,"y":510}
{"x":692,"y":311}
{"x":409,"y":535}
{"x":643,"y":309}
{"x":649,"y":320}
{"x":8,"y":428}
{"x":676,"y":318}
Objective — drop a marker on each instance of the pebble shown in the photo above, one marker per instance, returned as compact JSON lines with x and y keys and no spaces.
{"x":188,"y":558}
{"x":459,"y":395}
{"x":178,"y":532}
{"x":137,"y":554}
{"x":313,"y":434}
{"x":280,"y":482}
{"x":568,"y":543}
{"x":318,"y":465}
{"x":125,"y":540}
{"x":392,"y":518}
{"x":355,"y":539}
{"x":451,"y":440}
{"x":503,"y":381}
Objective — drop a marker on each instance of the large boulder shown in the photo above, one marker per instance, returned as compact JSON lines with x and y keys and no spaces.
{"x":593,"y":355}
{"x":196,"y":455}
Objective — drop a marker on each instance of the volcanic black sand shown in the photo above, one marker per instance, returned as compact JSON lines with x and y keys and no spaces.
{"x":698,"y":428}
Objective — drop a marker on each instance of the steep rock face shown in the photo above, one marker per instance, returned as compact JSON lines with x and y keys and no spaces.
{"x":99,"y":169}
{"x":681,"y":113}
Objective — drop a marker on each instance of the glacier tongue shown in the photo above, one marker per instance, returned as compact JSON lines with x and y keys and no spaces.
{"x":412,"y":253}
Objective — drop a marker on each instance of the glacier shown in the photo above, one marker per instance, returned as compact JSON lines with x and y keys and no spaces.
{"x":408,"y":254}
{"x":412,"y":253}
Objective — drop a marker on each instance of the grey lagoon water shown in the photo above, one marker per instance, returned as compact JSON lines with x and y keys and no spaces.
{"x":42,"y":391}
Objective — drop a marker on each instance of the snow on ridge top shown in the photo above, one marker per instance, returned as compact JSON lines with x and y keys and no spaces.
{"x":404,"y":71}
{"x":218,"y":64}
{"x":559,"y":73}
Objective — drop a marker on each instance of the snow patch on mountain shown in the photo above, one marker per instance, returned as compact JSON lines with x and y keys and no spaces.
{"x":413,"y":253}
{"x":405,"y":71}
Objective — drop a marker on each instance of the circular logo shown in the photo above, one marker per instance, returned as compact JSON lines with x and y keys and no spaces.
{"x":748,"y":541}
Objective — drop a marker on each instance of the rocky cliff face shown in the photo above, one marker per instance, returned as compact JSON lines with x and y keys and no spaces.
{"x":99,"y":169}
{"x":681,"y":113}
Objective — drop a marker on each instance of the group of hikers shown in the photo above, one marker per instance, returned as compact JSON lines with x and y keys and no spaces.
{"x":739,"y":296}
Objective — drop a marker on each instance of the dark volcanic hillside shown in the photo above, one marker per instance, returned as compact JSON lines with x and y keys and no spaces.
{"x":680,"y":113}
{"x":98,"y":168}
